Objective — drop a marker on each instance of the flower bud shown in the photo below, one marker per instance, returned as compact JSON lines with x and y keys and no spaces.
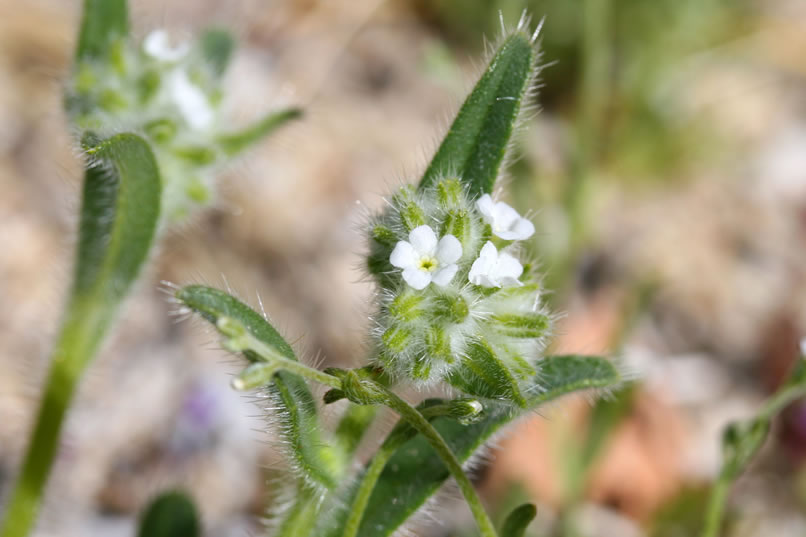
{"x":465,"y":411}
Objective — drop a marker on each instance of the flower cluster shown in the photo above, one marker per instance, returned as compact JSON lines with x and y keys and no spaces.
{"x":169,"y":92}
{"x":456,"y":302}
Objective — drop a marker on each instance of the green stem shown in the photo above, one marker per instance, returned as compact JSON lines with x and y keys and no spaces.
{"x":424,"y":427}
{"x":80,"y":336}
{"x":733,"y":466}
{"x":369,"y":479}
{"x":716,"y":507}
{"x":246,"y":341}
{"x":367,"y":485}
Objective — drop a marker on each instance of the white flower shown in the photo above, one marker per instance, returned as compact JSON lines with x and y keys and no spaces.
{"x":424,"y":260}
{"x":492,"y":269}
{"x":505,"y":221}
{"x":803,"y":347}
{"x":191,"y":100}
{"x":158,"y":46}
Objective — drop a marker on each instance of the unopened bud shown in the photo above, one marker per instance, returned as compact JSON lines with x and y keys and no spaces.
{"x":254,"y":376}
{"x":465,"y":411}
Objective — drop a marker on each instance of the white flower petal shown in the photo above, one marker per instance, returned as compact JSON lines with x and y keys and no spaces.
{"x":521,"y":229}
{"x":482,"y":268}
{"x":191,"y":100}
{"x":504,"y":216}
{"x":449,"y":250}
{"x":403,"y":256}
{"x":486,"y":206}
{"x":416,"y":278}
{"x":508,"y":270}
{"x":158,"y":46}
{"x":443,"y":276}
{"x":489,"y":252}
{"x":505,"y":221}
{"x":424,"y":240}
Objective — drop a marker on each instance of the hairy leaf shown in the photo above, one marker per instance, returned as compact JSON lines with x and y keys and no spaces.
{"x":102,"y":22}
{"x":477,"y":141}
{"x":297,"y":414}
{"x":119,"y":215}
{"x":415,"y":472}
{"x":171,"y":514}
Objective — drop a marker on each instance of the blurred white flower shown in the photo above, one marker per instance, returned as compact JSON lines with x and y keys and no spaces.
{"x":424,"y":260}
{"x":493,"y":269}
{"x":191,"y":100}
{"x":157,"y":44}
{"x":803,"y":347}
{"x":505,"y":221}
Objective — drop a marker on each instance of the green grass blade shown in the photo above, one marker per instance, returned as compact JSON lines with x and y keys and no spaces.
{"x":476,"y":144}
{"x":217,"y":46}
{"x":517,"y":521}
{"x":119,"y":218}
{"x":237,"y":142}
{"x":102,"y":22}
{"x":318,"y":462}
{"x":415,"y":472}
{"x":171,"y":514}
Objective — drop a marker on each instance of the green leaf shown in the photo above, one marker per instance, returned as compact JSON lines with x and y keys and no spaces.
{"x":102,"y":22}
{"x":415,"y":472}
{"x":318,"y":462}
{"x":217,"y":46}
{"x":477,"y":141}
{"x":237,"y":142}
{"x":119,"y":218}
{"x":171,"y":514}
{"x":517,"y":521}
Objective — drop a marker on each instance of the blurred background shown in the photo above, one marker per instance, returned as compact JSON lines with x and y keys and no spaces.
{"x":664,"y":167}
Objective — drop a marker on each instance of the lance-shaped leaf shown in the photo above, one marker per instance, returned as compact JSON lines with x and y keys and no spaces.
{"x":318,"y":462}
{"x":171,"y":514}
{"x":477,"y":142}
{"x":415,"y":472}
{"x":102,"y":22}
{"x":236,"y":142}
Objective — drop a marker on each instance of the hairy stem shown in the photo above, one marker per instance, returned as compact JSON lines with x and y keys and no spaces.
{"x":398,"y":437}
{"x":424,"y":427}
{"x":246,"y":341}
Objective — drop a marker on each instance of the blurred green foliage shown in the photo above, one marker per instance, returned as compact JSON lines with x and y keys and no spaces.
{"x":645,"y":46}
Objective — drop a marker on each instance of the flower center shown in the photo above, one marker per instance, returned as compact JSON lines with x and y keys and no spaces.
{"x":428,"y":264}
